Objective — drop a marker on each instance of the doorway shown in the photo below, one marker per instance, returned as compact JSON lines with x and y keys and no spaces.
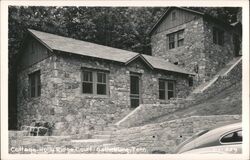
{"x":135,"y":97}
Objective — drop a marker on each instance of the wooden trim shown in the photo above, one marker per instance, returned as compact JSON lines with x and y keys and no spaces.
{"x":95,"y":69}
{"x":34,"y":36}
{"x":143,"y":59}
{"x":166,"y":13}
{"x":94,"y":82}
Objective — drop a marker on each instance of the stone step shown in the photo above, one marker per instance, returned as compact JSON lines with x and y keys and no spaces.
{"x":26,"y":140}
{"x":104,"y":132}
{"x":90,"y":142}
{"x":101,"y":136}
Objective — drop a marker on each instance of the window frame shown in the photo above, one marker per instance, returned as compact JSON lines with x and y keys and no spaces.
{"x":180,"y":38}
{"x":95,"y":82}
{"x":218,"y":36}
{"x":87,"y":82}
{"x":36,"y":87}
{"x":171,"y":40}
{"x":227,"y":133}
{"x":166,"y":88}
{"x":174,"y":39}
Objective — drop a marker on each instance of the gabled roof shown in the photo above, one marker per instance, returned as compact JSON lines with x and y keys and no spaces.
{"x":165,"y":14}
{"x":159,"y":63}
{"x":70,"y":45}
{"x":65,"y":44}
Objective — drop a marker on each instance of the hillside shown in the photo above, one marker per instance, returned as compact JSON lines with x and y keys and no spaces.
{"x":228,"y":102}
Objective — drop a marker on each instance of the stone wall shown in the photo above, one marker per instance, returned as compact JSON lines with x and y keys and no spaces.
{"x":217,"y":56}
{"x":198,"y":49}
{"x":166,"y":136}
{"x":189,"y":55}
{"x":147,"y":112}
{"x":63,"y":104}
{"x":233,"y":77}
{"x":37,"y":108}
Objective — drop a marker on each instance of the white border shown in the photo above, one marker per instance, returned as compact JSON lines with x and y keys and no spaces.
{"x":212,"y":3}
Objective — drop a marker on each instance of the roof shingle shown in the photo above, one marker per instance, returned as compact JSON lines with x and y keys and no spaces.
{"x":70,"y":45}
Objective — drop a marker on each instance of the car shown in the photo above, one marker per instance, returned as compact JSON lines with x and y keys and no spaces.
{"x":223,"y":140}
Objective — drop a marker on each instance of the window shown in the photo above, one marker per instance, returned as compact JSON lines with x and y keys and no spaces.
{"x":180,"y":38}
{"x":166,"y":89}
{"x":173,"y":16}
{"x":190,"y":81}
{"x":87,"y":82}
{"x":134,"y":90}
{"x":35,"y":84}
{"x":171,"y":41}
{"x":233,"y":137}
{"x":218,"y":36}
{"x":94,"y":82}
{"x":101,"y":83}
{"x":176,"y":39}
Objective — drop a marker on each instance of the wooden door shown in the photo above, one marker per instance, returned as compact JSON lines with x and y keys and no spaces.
{"x":135,"y":97}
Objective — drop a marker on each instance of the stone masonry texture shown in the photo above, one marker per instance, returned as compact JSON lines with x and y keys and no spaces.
{"x":62,"y":103}
{"x":198,"y":48}
{"x":166,"y":136}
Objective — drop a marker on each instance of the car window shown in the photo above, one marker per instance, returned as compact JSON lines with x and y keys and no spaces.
{"x":232,"y":137}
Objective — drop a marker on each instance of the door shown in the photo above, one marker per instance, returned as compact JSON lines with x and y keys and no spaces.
{"x":134,"y":90}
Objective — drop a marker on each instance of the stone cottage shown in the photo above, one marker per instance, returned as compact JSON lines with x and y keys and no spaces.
{"x":81,"y":86}
{"x":195,"y":41}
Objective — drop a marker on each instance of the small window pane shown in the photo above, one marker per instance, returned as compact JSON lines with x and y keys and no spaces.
{"x":170,"y":94}
{"x":87,"y":87}
{"x":162,"y":94}
{"x":101,"y":89}
{"x":32,"y":80}
{"x":180,"y":42}
{"x":87,"y":76}
{"x":171,"y":45}
{"x":180,"y":34}
{"x":170,"y":86}
{"x":33,"y":90}
{"x":101,"y":77}
{"x":171,"y":38}
{"x":134,"y":84}
{"x":162,"y":85}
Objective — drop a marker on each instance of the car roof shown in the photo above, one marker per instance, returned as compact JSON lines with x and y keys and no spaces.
{"x":211,"y":136}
